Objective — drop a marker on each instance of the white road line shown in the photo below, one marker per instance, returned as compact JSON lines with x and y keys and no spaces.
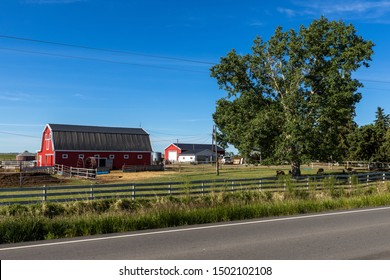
{"x":195,"y":228}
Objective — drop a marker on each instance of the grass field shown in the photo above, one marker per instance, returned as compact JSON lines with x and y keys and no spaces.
{"x":185,"y":173}
{"x":8,"y":156}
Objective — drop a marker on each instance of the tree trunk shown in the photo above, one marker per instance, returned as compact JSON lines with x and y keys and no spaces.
{"x":296,"y":169}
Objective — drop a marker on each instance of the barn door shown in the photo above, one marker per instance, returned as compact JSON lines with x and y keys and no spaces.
{"x":172,"y":156}
{"x":102,"y":162}
{"x":49,"y":160}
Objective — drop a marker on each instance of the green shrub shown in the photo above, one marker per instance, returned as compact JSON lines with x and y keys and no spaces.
{"x":52,"y":209}
{"x":16,"y":210}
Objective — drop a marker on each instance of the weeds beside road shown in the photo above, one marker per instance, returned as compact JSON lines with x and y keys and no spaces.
{"x":21,"y":223}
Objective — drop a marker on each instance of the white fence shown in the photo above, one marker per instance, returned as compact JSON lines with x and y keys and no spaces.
{"x":68,"y":171}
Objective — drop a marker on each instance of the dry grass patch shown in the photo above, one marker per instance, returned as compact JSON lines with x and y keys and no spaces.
{"x":120,"y":177}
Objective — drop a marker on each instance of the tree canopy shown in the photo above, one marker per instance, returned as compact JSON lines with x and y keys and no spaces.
{"x":293,"y":98}
{"x":371,"y":142}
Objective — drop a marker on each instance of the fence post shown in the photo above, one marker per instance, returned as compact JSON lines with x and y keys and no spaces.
{"x":91,"y":196}
{"x":350,"y":181}
{"x":170,"y":189}
{"x":232,"y":186}
{"x":44,"y":193}
{"x":133,"y":192}
{"x":260,"y":185}
{"x":202,"y":188}
{"x":368,"y":178}
{"x":384,"y":177}
{"x":307,"y":182}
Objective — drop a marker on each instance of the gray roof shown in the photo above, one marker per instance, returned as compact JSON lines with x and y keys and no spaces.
{"x":99,"y":138}
{"x":26,"y":154}
{"x":196,"y":152}
{"x":191,"y":147}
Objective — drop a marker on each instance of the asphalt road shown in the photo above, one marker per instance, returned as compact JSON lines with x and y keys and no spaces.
{"x":358,"y":234}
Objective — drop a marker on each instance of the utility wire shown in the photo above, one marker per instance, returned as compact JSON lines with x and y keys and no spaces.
{"x":16,"y":134}
{"x":101,"y":60}
{"x":120,"y":52}
{"x":374,"y":81}
{"x":105,"y":50}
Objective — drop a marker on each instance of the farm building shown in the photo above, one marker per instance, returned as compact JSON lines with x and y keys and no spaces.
{"x":192,"y":153}
{"x":26,"y":156}
{"x":94,"y":146}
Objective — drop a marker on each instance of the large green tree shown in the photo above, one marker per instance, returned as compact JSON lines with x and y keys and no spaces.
{"x":294,"y":95}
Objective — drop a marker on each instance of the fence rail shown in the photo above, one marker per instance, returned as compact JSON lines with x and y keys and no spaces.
{"x":134,"y":191}
{"x":68,"y":171}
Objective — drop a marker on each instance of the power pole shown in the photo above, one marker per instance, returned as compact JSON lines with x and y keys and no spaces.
{"x":216,"y":149}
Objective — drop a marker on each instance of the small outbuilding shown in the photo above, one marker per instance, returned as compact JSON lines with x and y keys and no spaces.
{"x":26,"y":156}
{"x":193,"y":153}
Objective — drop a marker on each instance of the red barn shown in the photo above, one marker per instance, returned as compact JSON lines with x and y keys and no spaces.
{"x":110,"y":147}
{"x":173,"y":151}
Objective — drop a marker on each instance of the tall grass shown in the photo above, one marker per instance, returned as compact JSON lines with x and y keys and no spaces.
{"x":19,"y":223}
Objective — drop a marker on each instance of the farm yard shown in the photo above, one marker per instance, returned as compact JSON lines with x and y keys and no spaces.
{"x":172,"y":173}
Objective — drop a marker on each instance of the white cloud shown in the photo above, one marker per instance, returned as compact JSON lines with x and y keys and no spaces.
{"x":13,"y":97}
{"x":255,"y":23}
{"x":350,"y":9}
{"x":289,"y":12}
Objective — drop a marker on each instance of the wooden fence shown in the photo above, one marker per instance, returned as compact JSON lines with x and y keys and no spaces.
{"x":68,"y":171}
{"x":144,"y":190}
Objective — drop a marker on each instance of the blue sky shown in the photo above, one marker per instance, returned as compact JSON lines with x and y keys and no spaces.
{"x":146,"y":63}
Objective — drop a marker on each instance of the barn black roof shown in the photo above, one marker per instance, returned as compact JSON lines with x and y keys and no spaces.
{"x":191,"y":147}
{"x":99,"y":138}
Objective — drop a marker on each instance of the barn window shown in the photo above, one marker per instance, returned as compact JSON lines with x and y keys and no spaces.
{"x":126,"y":156}
{"x":139,"y":156}
{"x":81,"y":156}
{"x":64,"y":156}
{"x":47,"y":141}
{"x":111,"y":156}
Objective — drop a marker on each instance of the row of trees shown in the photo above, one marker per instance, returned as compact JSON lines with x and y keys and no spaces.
{"x":293,"y":98}
{"x":370,"y":142}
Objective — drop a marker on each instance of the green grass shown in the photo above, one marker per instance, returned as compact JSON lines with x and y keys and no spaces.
{"x":8,"y":156}
{"x":20,"y":223}
{"x":187,"y":172}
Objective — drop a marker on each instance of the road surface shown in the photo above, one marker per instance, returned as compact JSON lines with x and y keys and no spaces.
{"x":357,"y":234}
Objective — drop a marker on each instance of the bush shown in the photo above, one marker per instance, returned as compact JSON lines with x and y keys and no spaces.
{"x":52,"y":209}
{"x":16,"y":210}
